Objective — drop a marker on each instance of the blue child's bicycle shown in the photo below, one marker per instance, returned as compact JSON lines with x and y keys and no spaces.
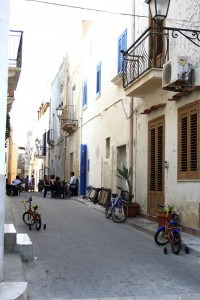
{"x":169,"y":233}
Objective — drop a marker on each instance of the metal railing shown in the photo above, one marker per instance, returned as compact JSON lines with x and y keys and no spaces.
{"x":150,"y":50}
{"x":69,"y":114}
{"x":50,"y":136}
{"x":15,"y":48}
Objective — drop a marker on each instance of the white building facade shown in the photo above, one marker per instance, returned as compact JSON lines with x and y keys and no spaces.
{"x":137,"y":98}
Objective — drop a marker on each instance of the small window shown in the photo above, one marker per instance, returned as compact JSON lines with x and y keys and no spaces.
{"x":85,"y":94}
{"x":107,"y":147}
{"x":188,"y":144}
{"x":98,"y":80}
{"x":122,"y":45}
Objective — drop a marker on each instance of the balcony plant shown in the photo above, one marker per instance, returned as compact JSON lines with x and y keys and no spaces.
{"x":126,"y":173}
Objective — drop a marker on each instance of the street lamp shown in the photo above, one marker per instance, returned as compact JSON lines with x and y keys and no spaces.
{"x":59,"y":110}
{"x":159,"y":10}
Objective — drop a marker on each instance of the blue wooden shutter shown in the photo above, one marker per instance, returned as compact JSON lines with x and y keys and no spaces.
{"x":98,"y":83}
{"x":122,"y":45}
{"x":85,"y":93}
{"x":83,"y":168}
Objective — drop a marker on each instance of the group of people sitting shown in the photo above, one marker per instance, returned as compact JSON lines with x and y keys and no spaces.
{"x":58,"y":188}
{"x":13,"y":189}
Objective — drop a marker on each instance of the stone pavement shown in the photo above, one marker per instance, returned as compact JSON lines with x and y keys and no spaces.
{"x":149,"y":227}
{"x":10,"y":289}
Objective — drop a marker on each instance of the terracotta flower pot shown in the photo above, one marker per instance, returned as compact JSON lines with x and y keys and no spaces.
{"x":133,"y":209}
{"x":161,"y":218}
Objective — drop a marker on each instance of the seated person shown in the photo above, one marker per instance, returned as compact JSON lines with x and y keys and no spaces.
{"x":52,"y":184}
{"x":58,"y":188}
{"x":73,"y":185}
{"x":46,"y":185}
{"x":14,"y":186}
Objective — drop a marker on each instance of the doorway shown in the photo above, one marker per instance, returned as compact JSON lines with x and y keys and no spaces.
{"x":121,"y":161}
{"x":156,"y":138}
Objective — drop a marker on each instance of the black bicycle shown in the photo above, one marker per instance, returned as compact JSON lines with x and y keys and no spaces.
{"x":118,"y":207}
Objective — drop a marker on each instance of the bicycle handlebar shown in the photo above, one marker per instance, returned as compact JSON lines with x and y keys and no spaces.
{"x":121,"y":189}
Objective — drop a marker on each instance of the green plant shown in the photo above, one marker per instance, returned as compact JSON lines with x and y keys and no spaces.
{"x":126,"y":174}
{"x":168,"y":208}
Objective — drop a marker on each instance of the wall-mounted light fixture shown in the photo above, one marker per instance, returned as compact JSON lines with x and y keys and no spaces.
{"x":159,"y":10}
{"x":59,"y":111}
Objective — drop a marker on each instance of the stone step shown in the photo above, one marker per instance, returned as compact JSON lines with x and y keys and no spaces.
{"x":17,"y":242}
{"x":24,"y":246}
{"x":14,"y":286}
{"x":9,"y":238}
{"x":13,"y":290}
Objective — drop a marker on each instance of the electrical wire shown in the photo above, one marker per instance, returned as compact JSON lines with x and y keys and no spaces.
{"x":174,"y":21}
{"x":87,"y":8}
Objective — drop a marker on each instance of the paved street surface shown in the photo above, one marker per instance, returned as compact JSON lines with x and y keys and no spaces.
{"x":83,"y":255}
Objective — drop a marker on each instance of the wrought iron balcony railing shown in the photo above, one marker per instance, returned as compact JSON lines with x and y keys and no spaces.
{"x":150,"y":50}
{"x":15,"y":48}
{"x":69,"y":120}
{"x":50,"y":137}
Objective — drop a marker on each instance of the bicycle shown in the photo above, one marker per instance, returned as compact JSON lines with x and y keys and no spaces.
{"x":31,"y":216}
{"x":118,"y":207}
{"x":169,"y":233}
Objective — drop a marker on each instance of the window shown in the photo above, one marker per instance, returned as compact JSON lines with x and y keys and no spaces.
{"x":98,"y":81}
{"x":107,"y":147}
{"x":188,"y":143}
{"x":122,"y":45}
{"x":85,"y":94}
{"x":74,"y":95}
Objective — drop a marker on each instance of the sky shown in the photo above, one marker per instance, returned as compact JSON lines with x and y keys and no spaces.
{"x":48,"y":31}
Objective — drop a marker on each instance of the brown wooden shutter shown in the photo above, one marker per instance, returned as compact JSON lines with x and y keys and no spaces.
{"x":156,"y":164}
{"x":152,"y":158}
{"x":160,"y":158}
{"x":188,"y":152}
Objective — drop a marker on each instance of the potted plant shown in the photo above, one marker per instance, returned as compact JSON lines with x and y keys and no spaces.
{"x":163,"y":213}
{"x":126,"y":174}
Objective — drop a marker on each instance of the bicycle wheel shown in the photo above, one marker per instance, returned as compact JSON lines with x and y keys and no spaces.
{"x":120,"y":214}
{"x":176,"y":243}
{"x":38,"y":221}
{"x":28,"y":219}
{"x":108,"y":212}
{"x":161,"y":238}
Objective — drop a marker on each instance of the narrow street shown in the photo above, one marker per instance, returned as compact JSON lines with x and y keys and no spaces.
{"x":83,"y":255}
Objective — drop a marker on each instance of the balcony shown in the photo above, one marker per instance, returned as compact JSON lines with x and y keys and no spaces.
{"x":50,"y":137}
{"x":69,"y":122}
{"x":143,"y":61}
{"x":40,"y":152}
{"x":14,"y":64}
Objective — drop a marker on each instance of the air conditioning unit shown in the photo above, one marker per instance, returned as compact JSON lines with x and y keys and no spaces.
{"x":177,"y":74}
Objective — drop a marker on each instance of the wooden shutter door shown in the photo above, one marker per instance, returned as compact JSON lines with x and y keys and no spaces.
{"x":157,"y":44}
{"x":155,"y":165}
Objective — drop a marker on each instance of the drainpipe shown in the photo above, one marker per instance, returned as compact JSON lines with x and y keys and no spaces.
{"x":131,"y":139}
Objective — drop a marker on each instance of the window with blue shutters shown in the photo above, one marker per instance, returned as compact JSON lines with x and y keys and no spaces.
{"x":122,"y":45}
{"x":85,"y":94}
{"x":98,"y":80}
